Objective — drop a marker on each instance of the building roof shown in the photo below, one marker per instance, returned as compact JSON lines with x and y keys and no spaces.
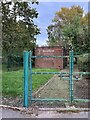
{"x":49,"y":47}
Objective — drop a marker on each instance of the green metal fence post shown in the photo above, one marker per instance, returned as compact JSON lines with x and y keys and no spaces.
{"x":30,"y":77}
{"x":71,"y":74}
{"x":25,"y":64}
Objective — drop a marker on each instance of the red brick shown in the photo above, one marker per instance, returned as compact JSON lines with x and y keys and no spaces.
{"x":49,"y":62}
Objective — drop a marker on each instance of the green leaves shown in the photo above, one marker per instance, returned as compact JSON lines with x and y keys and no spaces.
{"x":70,"y":28}
{"x":18,"y":29}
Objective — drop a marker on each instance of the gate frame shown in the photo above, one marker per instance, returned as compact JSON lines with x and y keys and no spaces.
{"x":27,"y":63}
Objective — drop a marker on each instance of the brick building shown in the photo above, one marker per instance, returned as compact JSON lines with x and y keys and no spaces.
{"x":58,"y":63}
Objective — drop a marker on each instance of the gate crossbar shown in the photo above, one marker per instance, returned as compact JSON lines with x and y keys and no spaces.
{"x":50,"y":99}
{"x":84,"y":73}
{"x":27,"y":56}
{"x":50,"y":72}
{"x":50,"y":56}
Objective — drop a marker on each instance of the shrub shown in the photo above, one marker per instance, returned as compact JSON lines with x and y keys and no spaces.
{"x":83,"y":63}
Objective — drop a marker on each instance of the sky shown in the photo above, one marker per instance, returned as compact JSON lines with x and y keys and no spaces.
{"x":47,"y":12}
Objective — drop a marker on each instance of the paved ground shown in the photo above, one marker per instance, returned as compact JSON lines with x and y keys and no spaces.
{"x":43,"y":114}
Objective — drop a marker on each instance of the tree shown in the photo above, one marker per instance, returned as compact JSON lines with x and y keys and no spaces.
{"x":18,"y":30}
{"x":54,"y":34}
{"x":72,"y":28}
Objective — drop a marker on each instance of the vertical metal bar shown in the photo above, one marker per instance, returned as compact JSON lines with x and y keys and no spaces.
{"x":71,"y":73}
{"x":30,"y":77}
{"x":25,"y":64}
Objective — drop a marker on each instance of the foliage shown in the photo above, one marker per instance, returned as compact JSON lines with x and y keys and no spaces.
{"x":70,"y":29}
{"x":18,"y":30}
{"x":55,"y":35}
{"x":83,"y":62}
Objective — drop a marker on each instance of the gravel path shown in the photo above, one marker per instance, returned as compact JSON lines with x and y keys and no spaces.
{"x":56,"y":88}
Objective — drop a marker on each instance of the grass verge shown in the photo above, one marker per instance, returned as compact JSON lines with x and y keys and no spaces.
{"x":12,"y":82}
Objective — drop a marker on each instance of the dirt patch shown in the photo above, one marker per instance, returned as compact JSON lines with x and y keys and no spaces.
{"x":81,"y":88}
{"x":12,"y":101}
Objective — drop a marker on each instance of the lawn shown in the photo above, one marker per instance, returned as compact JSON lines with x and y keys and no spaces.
{"x":12,"y":82}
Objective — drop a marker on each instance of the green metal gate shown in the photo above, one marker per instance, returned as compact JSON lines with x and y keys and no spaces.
{"x":27,"y":56}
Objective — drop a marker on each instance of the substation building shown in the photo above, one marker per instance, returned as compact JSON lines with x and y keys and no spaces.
{"x":57,"y":63}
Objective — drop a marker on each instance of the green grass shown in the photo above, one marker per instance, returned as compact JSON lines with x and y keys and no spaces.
{"x":12,"y":82}
{"x":39,"y":80}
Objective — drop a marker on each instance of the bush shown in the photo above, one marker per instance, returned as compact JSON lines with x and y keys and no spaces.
{"x":83,"y":63}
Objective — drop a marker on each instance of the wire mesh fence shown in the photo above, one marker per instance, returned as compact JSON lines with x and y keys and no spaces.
{"x":12,"y":79}
{"x":49,"y":77}
{"x":47,"y":83}
{"x":11,"y":62}
{"x":82,"y":77}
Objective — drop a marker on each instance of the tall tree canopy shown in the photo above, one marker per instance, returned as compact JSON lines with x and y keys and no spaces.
{"x":18,"y":28}
{"x":70,"y":28}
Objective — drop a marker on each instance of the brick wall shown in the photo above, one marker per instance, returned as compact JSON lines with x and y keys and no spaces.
{"x":49,"y":62}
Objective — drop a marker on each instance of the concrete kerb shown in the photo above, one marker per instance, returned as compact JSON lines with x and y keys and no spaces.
{"x":69,"y":109}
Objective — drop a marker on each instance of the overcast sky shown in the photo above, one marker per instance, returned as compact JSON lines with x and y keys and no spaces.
{"x":47,"y":12}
